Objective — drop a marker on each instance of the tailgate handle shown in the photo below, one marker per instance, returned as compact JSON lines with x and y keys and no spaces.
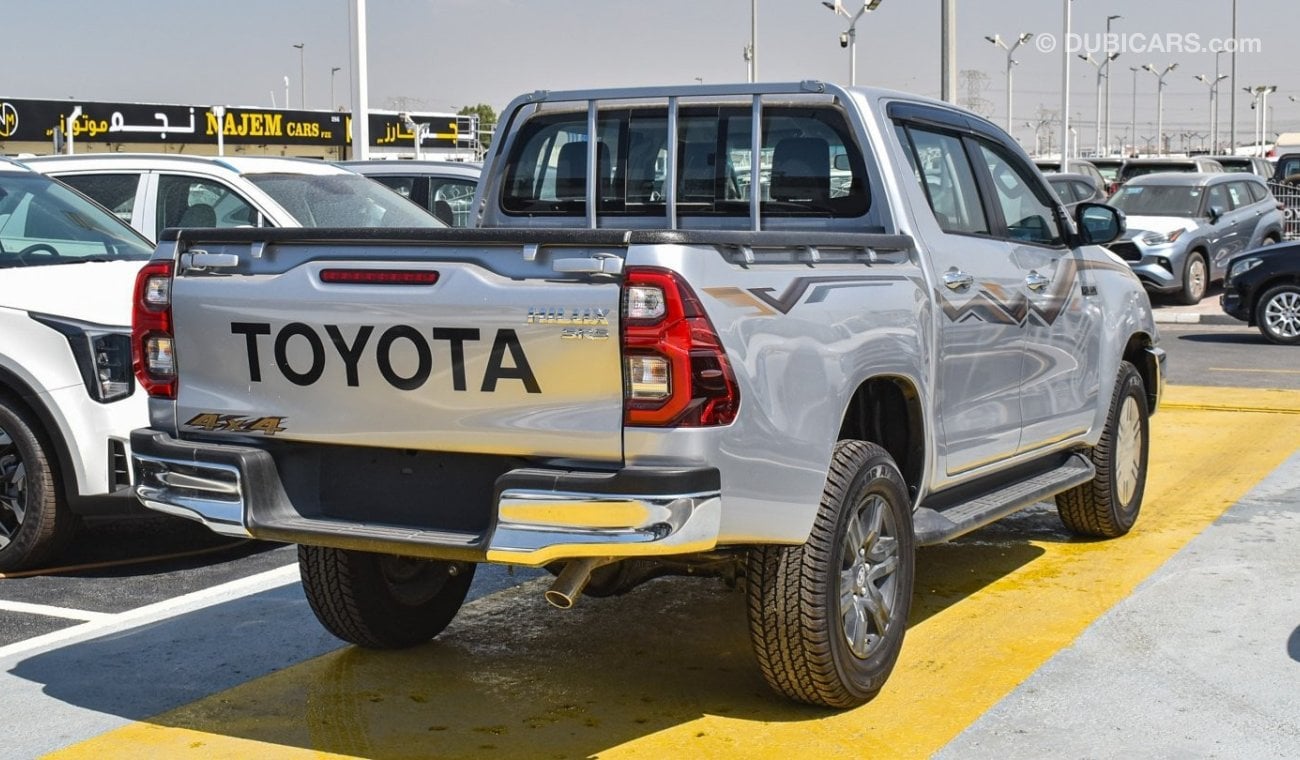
{"x":198,"y":259}
{"x":599,"y":264}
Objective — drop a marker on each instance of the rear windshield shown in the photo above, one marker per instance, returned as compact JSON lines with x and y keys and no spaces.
{"x":1158,"y":200}
{"x":1235,"y":165}
{"x":43,"y":223}
{"x":341,"y":200}
{"x":1138,"y":170}
{"x":808,"y":164}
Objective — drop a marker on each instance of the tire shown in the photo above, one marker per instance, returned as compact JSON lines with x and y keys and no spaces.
{"x":1270,"y":239}
{"x":1196,"y":279}
{"x":1108,"y":505}
{"x":35,"y":523}
{"x":381,"y":601}
{"x":827,"y":622}
{"x":1277,"y":314}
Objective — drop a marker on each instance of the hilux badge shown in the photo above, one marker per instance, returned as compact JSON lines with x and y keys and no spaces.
{"x":561,"y":317}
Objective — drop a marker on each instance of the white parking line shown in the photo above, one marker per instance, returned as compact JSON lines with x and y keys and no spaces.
{"x":153,"y":613}
{"x":84,"y":616}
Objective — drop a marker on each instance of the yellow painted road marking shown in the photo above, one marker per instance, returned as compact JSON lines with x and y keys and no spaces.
{"x":1277,"y":371}
{"x":666,"y":670}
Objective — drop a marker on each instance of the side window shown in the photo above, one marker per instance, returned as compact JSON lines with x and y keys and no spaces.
{"x":1082,"y":192}
{"x":115,"y":192}
{"x":457,"y":194}
{"x":1258,"y":192}
{"x":1029,"y":218}
{"x":1218,"y":198}
{"x":197,"y":202}
{"x":948,"y":181}
{"x":1238,"y":194}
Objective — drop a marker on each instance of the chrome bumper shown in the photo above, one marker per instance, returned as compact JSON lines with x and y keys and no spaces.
{"x":540,"y":515}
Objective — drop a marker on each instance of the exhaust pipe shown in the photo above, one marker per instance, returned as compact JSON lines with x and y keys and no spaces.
{"x":566,"y":589}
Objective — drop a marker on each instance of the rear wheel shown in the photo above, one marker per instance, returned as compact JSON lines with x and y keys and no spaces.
{"x":1196,"y":279}
{"x":827,"y":618}
{"x":381,"y":601}
{"x":1277,"y":314}
{"x":34,"y":522}
{"x":1108,"y":505}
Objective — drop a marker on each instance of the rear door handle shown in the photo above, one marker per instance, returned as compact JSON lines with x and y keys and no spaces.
{"x":1036,"y":282}
{"x":956,"y":279}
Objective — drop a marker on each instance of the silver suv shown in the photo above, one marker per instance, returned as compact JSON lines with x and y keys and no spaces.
{"x":1183,"y":228}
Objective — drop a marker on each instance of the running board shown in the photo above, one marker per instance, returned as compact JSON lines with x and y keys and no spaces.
{"x":936,"y":526}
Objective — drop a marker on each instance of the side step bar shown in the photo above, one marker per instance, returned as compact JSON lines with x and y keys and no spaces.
{"x":936,"y":526}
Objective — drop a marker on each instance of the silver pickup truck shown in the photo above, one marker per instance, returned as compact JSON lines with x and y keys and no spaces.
{"x":779,"y":333}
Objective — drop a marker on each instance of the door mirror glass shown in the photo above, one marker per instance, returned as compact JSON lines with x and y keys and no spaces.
{"x":1098,"y":223}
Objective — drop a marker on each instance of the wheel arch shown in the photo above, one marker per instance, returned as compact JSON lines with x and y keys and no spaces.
{"x":16,"y":390}
{"x":887,"y":411}
{"x":1136,"y":353}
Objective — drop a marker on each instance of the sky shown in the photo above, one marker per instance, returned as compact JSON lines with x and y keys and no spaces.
{"x":439,"y":55}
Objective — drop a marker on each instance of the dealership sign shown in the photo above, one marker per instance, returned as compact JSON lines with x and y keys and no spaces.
{"x":41,"y":120}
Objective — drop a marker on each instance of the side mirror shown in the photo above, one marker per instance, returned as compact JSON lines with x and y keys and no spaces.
{"x":1098,"y":223}
{"x":1216,"y":214}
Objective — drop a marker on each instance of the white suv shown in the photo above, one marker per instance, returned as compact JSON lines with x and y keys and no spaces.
{"x":68,"y":400}
{"x":153,"y":192}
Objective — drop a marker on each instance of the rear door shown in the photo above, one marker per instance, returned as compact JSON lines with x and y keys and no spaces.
{"x":979,"y":305}
{"x":315,"y":342}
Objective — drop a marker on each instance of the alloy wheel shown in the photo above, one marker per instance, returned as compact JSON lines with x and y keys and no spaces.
{"x":1282,"y":315}
{"x":868,"y":588}
{"x":13,"y":489}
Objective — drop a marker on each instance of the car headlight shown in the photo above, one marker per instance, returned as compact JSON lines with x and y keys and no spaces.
{"x":103,"y":355}
{"x":1163,"y":238}
{"x":1239,"y":268}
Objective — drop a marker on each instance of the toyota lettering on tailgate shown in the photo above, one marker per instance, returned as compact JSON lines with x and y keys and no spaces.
{"x":505,"y":362}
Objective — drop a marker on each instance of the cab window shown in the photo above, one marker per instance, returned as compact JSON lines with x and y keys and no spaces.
{"x":947,"y":180}
{"x":808,"y":164}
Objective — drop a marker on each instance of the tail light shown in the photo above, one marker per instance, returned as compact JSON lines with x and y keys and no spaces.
{"x":152,"y":344}
{"x":675,"y":371}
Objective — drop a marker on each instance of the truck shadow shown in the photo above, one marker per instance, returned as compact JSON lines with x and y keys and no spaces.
{"x":510,"y":678}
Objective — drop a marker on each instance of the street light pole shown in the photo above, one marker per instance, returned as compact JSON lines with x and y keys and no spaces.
{"x":1065,"y":85}
{"x":333,"y":70}
{"x":1214,"y":104}
{"x":302,"y":76}
{"x":1107,"y":51}
{"x":948,"y":50}
{"x":1133,"y":116}
{"x":1011,"y":62}
{"x":1103,"y":72}
{"x":751,"y":50}
{"x":849,"y":38}
{"x":1232,"y":87}
{"x":1160,"y":103}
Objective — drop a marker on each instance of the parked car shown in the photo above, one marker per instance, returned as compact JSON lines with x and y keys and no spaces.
{"x":1109,"y":167}
{"x":1139,"y":167}
{"x":1072,"y":166}
{"x":1287,"y":169}
{"x":1256,"y":165}
{"x":154,"y":192}
{"x":444,"y":188}
{"x":1262,"y":288}
{"x":1183,"y":228}
{"x":1074,"y":189}
{"x":68,"y":401}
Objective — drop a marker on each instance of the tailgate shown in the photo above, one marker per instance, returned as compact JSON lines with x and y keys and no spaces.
{"x":495,"y":357}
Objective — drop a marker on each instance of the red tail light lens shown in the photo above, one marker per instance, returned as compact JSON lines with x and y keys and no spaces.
{"x":675,"y":371}
{"x":152,"y":345}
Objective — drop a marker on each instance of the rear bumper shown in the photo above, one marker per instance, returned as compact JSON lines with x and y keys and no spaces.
{"x":537,"y":515}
